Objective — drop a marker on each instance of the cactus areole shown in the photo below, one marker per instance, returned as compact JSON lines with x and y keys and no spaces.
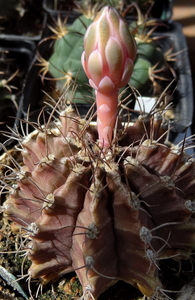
{"x":110,"y":51}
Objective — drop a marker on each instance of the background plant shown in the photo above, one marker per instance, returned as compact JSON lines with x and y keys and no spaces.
{"x":153,"y":67}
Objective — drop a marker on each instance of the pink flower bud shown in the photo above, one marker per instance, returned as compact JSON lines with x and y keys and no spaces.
{"x":107,"y":60}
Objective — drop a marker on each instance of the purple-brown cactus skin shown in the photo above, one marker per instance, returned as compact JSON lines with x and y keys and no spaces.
{"x":107,"y":215}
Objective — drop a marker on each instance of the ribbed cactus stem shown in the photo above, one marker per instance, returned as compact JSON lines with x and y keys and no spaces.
{"x":106,"y":115}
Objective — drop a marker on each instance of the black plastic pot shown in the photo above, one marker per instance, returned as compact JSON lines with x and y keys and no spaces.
{"x":183,"y":95}
{"x":19,"y":56}
{"x":29,"y":25}
{"x":35,"y":87}
{"x":63,"y":9}
{"x":59,"y":6}
{"x":162,"y":9}
{"x":172,"y":37}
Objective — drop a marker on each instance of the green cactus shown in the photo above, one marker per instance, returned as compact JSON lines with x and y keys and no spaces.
{"x":65,"y":61}
{"x":151,"y":67}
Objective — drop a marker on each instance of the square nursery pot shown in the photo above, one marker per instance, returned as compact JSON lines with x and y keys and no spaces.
{"x":22,"y":18}
{"x":162,"y":10}
{"x":159,"y":10}
{"x":59,"y":6}
{"x":169,"y":37}
{"x":16,"y":55}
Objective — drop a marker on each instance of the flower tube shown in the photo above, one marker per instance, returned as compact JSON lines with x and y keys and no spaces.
{"x":109,"y":53}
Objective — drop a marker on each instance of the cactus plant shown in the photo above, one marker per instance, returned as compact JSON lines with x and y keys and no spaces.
{"x":69,"y":48}
{"x":152,"y":69}
{"x":108,"y":210}
{"x":152,"y":64}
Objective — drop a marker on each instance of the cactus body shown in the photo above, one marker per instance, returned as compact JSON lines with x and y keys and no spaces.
{"x":108,"y":218}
